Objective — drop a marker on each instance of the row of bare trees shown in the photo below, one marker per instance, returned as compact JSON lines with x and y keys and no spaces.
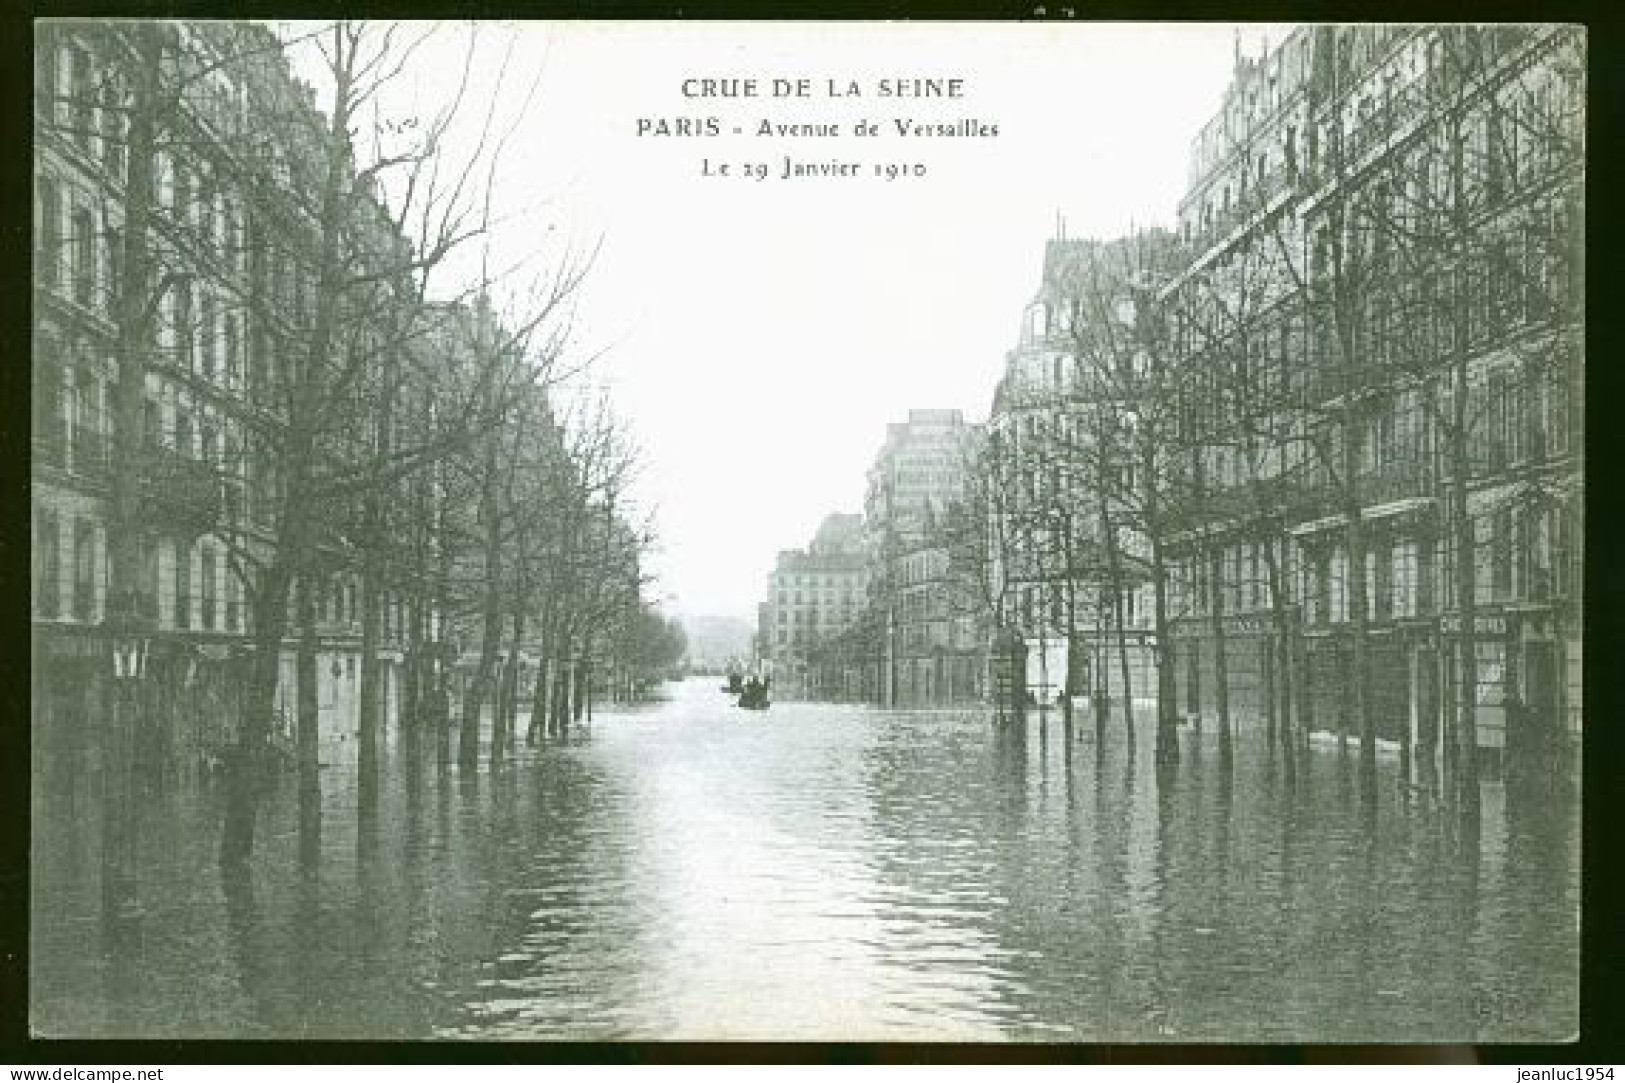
{"x":1330,"y":354}
{"x":298,"y":275}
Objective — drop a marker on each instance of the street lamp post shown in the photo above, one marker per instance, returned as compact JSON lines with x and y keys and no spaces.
{"x":128,"y":642}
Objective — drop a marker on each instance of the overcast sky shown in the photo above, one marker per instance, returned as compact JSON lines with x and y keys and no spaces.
{"x":762,"y":333}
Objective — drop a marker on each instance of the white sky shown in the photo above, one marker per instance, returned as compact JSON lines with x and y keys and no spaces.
{"x":763,"y":333}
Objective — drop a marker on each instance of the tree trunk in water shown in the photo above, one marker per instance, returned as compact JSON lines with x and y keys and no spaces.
{"x":371,"y":617}
{"x":1269,"y":683}
{"x":583,"y":686}
{"x":126,"y":536}
{"x":1461,"y":521}
{"x":468,"y":752}
{"x":1167,"y":695}
{"x":412,"y":672}
{"x":468,"y":741}
{"x":1221,"y":656}
{"x":308,"y":703}
{"x":375,"y":528}
{"x":249,"y":759}
{"x":1467,"y":607}
{"x":1300,"y":667}
{"x":442,"y":716}
{"x":499,"y":710}
{"x":1361,"y":690}
{"x":1279,"y":685}
{"x":510,"y":714}
{"x":562,"y":675}
{"x":1289,"y":680}
{"x":1100,"y":704}
{"x":120,"y":896}
{"x":1114,"y":572}
{"x":243,"y":763}
{"x":1123,"y":665}
{"x":1074,"y":647}
{"x":538,"y":703}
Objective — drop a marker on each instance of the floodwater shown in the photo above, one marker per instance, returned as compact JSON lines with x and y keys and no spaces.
{"x":688,"y":870}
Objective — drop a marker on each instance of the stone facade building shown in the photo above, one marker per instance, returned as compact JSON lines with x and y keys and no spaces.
{"x":1059,"y":490}
{"x":1380,"y":311}
{"x":929,"y":642}
{"x":815,"y":597}
{"x":229,"y":240}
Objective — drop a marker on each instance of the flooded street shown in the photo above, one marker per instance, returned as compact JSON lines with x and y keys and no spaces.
{"x":689,"y":870}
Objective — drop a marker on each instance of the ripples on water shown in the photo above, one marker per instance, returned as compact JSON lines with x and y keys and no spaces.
{"x":819,"y":872}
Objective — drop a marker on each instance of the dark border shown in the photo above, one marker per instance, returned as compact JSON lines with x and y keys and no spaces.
{"x":1601,"y":1040}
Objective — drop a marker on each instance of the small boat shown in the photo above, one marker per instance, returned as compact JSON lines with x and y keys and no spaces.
{"x":753,"y":696}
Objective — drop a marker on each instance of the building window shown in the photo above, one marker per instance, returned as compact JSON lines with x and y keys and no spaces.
{"x":115,"y":267}
{"x":234,"y":592}
{"x":49,"y":235}
{"x":84,"y":257}
{"x":147,"y":570}
{"x":1405,"y":580}
{"x":183,"y":325}
{"x":183,"y":584}
{"x":84,"y":570}
{"x":47,"y":564}
{"x":83,"y":102}
{"x":206,"y":342}
{"x":48,"y":86}
{"x":88,"y":454}
{"x":48,"y":403}
{"x":232,"y":347}
{"x":1501,"y":551}
{"x":113,"y":156}
{"x":209,"y":587}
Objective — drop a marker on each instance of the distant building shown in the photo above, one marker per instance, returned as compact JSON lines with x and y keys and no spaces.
{"x":718,"y":643}
{"x":1054,"y":572}
{"x":814,"y":596}
{"x":928,"y":641}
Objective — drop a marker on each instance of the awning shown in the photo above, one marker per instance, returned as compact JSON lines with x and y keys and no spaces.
{"x":1315,"y":526}
{"x":1529,"y":492}
{"x":1396,"y":507}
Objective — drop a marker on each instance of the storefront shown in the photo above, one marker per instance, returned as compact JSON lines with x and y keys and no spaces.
{"x":1495,"y":651}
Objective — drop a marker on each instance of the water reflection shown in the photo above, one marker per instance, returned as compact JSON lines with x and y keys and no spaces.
{"x":693,"y":871}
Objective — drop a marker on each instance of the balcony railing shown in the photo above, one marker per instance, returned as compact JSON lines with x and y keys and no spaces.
{"x":1299,"y":498}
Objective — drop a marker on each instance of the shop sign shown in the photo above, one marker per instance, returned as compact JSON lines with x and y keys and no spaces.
{"x":1494,"y":626}
{"x":1250,"y":624}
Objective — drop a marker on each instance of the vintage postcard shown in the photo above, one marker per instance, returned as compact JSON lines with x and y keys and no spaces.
{"x":818,"y":532}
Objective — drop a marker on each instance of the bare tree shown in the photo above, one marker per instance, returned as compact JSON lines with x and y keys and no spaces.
{"x":1127,"y":440}
{"x":374,"y":189}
